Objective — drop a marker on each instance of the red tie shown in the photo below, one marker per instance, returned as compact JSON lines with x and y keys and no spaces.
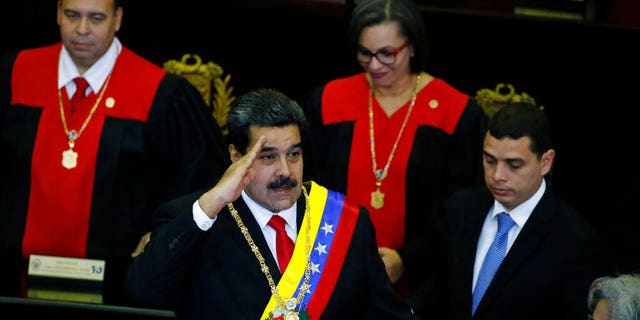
{"x":81,"y":88}
{"x":284,"y":244}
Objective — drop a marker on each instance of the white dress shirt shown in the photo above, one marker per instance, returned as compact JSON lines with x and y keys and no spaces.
{"x":96,"y":75}
{"x":262,"y":216}
{"x":519,"y":214}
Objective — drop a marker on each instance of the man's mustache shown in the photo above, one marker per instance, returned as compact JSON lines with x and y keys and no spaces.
{"x":282,"y":183}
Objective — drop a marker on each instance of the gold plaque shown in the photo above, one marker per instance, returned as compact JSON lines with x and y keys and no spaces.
{"x":377,"y":199}
{"x":69,"y":159}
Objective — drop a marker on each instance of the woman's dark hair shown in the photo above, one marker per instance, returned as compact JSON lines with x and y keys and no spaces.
{"x":405,"y":12}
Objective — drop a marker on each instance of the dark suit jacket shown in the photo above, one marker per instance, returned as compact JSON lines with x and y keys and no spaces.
{"x":545,"y":275}
{"x":214,"y":275}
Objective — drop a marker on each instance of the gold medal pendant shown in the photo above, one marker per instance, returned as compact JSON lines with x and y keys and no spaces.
{"x":290,"y":312}
{"x":377,"y":199}
{"x":69,"y":159}
{"x":288,"y":315}
{"x":291,"y":315}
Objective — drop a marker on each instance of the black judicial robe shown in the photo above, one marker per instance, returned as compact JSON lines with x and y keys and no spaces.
{"x":440,"y":151}
{"x":155,"y":143}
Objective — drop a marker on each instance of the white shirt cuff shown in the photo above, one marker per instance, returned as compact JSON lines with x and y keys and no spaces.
{"x":201,"y":219}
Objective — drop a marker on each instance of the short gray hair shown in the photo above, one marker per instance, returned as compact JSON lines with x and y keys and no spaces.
{"x":622,"y":293}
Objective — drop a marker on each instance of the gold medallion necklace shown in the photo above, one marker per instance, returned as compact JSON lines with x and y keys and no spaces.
{"x":377,"y":196}
{"x":289,"y":309}
{"x":70,"y":157}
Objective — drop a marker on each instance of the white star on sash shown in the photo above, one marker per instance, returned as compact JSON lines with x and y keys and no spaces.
{"x":315,"y":267}
{"x":321,"y":248}
{"x":327,"y":228}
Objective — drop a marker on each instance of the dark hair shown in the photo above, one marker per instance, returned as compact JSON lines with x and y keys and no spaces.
{"x":262,"y":108}
{"x":117,"y":4}
{"x":405,"y":12}
{"x":521,"y":119}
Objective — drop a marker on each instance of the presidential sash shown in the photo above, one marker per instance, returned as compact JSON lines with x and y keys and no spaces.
{"x":332,"y":223}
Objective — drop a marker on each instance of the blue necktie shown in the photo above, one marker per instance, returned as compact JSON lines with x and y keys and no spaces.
{"x":493,"y":259}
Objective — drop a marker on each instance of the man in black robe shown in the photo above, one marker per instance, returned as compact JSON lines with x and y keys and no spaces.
{"x":83,"y":182}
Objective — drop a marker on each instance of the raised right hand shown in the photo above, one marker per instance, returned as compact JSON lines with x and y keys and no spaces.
{"x":238,"y":175}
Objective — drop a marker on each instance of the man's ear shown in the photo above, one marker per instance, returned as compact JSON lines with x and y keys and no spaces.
{"x":234,"y":154}
{"x":547,"y":161}
{"x":118,"y":17}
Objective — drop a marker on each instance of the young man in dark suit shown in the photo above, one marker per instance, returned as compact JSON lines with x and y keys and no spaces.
{"x":221,"y":259}
{"x":550,"y":252}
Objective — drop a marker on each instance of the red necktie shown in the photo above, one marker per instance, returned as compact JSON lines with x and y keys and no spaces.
{"x":284,"y":244}
{"x":81,"y":89}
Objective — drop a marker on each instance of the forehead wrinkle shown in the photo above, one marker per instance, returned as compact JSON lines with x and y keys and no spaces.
{"x":293,"y":146}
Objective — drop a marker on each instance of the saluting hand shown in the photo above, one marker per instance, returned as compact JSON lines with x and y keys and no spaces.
{"x":230,"y":186}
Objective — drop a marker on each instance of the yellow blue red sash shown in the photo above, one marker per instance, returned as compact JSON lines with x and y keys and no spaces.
{"x":332,"y":223}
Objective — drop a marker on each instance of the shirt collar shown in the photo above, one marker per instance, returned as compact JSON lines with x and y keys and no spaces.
{"x":522,"y":212}
{"x":263,"y":215}
{"x":97,"y":73}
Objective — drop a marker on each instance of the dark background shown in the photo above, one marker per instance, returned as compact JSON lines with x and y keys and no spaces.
{"x":585,"y":73}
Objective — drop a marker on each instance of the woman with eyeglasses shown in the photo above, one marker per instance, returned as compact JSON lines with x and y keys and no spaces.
{"x":394,"y":137}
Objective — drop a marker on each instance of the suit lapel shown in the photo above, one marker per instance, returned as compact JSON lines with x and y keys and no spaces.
{"x":257,"y":235}
{"x":470,"y":234}
{"x":531,"y":236}
{"x":302,"y":205}
{"x":258,"y":238}
{"x":471,"y":217}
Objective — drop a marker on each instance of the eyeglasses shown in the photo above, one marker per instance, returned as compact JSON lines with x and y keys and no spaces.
{"x":385,"y":56}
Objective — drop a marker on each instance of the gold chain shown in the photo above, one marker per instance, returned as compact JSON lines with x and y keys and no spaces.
{"x":381,"y":174}
{"x":288,"y":304}
{"x":73,"y":135}
{"x":377,"y":196}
